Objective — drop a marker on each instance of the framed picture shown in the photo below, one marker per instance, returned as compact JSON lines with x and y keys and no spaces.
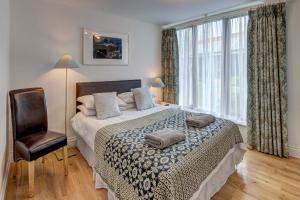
{"x":102,"y":48}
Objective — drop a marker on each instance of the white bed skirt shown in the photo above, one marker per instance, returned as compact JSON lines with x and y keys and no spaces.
{"x":208,"y":188}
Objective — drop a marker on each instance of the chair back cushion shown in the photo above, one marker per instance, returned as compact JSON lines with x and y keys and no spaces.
{"x":29,"y":112}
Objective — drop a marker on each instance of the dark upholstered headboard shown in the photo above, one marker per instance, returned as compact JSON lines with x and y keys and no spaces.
{"x":88,"y":88}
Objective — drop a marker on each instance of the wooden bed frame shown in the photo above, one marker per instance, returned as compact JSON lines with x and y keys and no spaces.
{"x":88,"y":88}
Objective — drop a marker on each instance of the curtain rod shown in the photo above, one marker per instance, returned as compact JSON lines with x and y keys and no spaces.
{"x":240,"y":8}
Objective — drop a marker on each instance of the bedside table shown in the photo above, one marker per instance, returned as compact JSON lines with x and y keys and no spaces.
{"x":170,"y":105}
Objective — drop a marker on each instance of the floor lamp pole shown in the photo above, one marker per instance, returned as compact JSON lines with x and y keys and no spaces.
{"x":66,"y":101}
{"x":66,"y":62}
{"x":70,"y":151}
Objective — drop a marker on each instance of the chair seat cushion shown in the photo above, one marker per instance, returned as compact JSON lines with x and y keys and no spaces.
{"x":39,"y":144}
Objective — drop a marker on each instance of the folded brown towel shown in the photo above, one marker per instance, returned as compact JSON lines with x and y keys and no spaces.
{"x":164,"y":138}
{"x":200,"y":121}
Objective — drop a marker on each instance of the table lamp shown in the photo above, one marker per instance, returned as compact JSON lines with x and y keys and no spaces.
{"x":157,"y":83}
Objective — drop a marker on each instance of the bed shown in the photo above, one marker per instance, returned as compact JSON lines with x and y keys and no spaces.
{"x":193,"y":169}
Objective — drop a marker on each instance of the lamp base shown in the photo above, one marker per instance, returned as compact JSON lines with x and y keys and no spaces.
{"x":60,"y":156}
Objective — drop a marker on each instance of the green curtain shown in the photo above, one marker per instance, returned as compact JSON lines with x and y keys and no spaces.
{"x":267,"y":80}
{"x":170,"y":65}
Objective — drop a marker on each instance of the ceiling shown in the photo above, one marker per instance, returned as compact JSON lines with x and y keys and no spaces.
{"x":164,"y":12}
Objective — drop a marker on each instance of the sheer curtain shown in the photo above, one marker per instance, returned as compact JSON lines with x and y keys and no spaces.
{"x":236,"y":68}
{"x":185,"y":49}
{"x":212,"y":68}
{"x":209,"y":76}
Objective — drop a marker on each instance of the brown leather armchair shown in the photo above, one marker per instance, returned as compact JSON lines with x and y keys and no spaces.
{"x":31,"y":137}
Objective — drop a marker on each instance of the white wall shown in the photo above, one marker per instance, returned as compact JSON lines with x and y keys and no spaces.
{"x":293,"y":51}
{"x":43,"y":30}
{"x":4,"y":81}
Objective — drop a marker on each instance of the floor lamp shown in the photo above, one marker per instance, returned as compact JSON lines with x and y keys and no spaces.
{"x":66,"y":62}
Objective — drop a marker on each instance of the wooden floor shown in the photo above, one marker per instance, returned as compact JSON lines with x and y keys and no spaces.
{"x":259,"y":176}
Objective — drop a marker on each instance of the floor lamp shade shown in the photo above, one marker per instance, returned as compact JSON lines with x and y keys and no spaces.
{"x":66,"y":61}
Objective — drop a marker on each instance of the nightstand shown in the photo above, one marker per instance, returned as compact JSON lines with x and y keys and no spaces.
{"x":170,"y":105}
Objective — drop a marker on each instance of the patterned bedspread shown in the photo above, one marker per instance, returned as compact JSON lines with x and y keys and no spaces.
{"x":134,"y":170}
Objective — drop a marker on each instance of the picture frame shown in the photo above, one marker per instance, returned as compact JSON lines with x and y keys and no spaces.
{"x":104,"y":48}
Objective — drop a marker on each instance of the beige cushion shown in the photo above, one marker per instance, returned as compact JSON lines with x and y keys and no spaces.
{"x":106,"y":105}
{"x":143,"y":98}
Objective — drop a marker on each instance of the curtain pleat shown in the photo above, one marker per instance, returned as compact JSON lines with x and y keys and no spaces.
{"x":170,"y":70}
{"x":267,"y":80}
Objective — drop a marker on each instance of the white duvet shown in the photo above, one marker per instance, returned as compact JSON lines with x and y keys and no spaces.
{"x":87,"y":126}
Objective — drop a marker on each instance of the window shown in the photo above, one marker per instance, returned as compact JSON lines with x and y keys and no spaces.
{"x":213,"y":68}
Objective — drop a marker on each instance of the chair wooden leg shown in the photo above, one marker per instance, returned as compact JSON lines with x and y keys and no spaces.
{"x":43,"y":159}
{"x":31,"y":179}
{"x":65,"y":152}
{"x":15,"y":169}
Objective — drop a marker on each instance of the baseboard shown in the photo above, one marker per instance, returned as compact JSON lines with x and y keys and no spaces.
{"x":294,"y":152}
{"x":72,"y":141}
{"x":5,"y":181}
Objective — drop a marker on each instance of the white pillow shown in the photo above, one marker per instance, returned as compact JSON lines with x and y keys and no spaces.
{"x":106,"y":105}
{"x":127,"y":97}
{"x":128,"y":106}
{"x":143,"y":98}
{"x":85,"y":111}
{"x":121,"y":103}
{"x":89,"y":102}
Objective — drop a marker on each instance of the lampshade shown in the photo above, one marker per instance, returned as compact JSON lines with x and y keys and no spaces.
{"x":157,"y":83}
{"x":66,"y":61}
